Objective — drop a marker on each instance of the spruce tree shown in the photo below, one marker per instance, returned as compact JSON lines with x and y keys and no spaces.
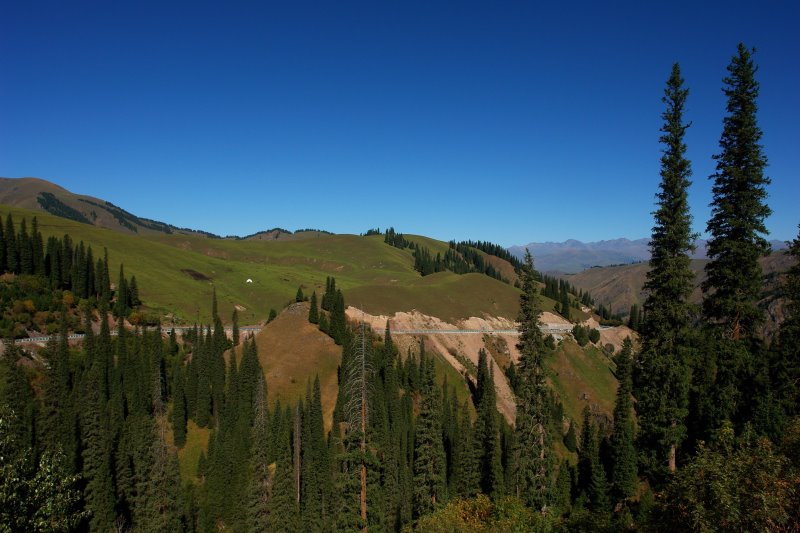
{"x":338,"y":321}
{"x":662,"y":378}
{"x":133,"y":292}
{"x":97,"y":453}
{"x":592,"y":481}
{"x":571,"y":438}
{"x":58,"y":416}
{"x":313,"y":312}
{"x":283,"y":512}
{"x":532,"y":454}
{"x":235,"y":327}
{"x":3,"y":260}
{"x":162,"y":489}
{"x":259,"y":459}
{"x":121,"y":307}
{"x":784,"y":361}
{"x":490,"y":467}
{"x":738,"y":209}
{"x":733,"y":275}
{"x":214,"y":307}
{"x":12,"y":252}
{"x":429,"y":457}
{"x":315,"y":464}
{"x":623,"y":478}
{"x":25,"y":249}
{"x":565,"y":304}
{"x":467,"y":461}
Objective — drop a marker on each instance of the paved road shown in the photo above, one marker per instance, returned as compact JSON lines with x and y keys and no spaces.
{"x":545,"y":329}
{"x":79,"y":336}
{"x":180,"y":329}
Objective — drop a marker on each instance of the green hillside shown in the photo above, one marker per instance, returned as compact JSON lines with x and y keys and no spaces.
{"x":176,"y":272}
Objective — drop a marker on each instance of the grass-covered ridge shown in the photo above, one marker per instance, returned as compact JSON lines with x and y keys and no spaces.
{"x":176,"y":272}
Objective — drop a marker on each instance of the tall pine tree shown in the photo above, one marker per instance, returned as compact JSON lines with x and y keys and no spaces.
{"x":532,"y":454}
{"x":662,"y":379}
{"x":429,"y":456}
{"x":623,"y":474}
{"x":737,"y":226}
{"x":734,"y":278}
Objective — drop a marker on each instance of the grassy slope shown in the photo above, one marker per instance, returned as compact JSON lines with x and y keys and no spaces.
{"x":375,"y":276}
{"x":582,"y":376}
{"x":188,"y":456}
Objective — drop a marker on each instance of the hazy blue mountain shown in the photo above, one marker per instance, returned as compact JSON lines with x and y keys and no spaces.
{"x":574,"y":256}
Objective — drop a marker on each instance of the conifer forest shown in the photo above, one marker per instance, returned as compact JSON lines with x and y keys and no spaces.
{"x":100,"y":426}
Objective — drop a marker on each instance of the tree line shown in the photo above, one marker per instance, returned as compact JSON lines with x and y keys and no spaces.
{"x":51,"y":274}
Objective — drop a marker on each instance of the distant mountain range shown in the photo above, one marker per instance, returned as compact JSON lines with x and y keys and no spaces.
{"x":574,"y":256}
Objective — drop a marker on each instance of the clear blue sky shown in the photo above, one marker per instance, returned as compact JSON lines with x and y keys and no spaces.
{"x":502,"y":121}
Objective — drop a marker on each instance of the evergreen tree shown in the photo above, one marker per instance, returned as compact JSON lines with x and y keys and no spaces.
{"x":24,"y":248}
{"x":565,"y":303}
{"x":532,"y":462}
{"x":633,"y":317}
{"x":734,"y":275}
{"x":3,"y":252}
{"x":313,"y":312}
{"x":97,"y":454}
{"x":159,"y":486}
{"x":662,"y":378}
{"x":467,"y":461}
{"x":214,"y":307}
{"x":58,"y":423}
{"x":592,"y":481}
{"x":329,"y":295}
{"x":429,"y":457}
{"x":122,"y":305}
{"x":260,"y":476}
{"x":338,"y":321}
{"x":784,"y":359}
{"x":299,"y":297}
{"x":283,"y":512}
{"x":316,"y":466}
{"x":235,"y":327}
{"x":37,"y":245}
{"x":623,"y":478}
{"x":133,"y":293}
{"x":571,"y":438}
{"x":12,"y":252}
{"x":324,"y":326}
{"x":488,"y":451}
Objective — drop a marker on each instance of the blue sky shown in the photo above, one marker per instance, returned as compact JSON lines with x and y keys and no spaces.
{"x":502,"y":121}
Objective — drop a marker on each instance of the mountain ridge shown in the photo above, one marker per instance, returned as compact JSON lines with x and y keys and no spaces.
{"x":573,"y":256}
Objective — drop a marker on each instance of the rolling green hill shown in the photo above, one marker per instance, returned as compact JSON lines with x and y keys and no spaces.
{"x":176,"y":272}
